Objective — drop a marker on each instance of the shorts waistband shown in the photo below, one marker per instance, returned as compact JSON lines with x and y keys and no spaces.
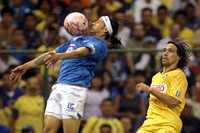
{"x":70,"y":85}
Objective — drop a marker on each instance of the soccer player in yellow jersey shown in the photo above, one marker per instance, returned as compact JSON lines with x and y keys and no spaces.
{"x":167,"y":91}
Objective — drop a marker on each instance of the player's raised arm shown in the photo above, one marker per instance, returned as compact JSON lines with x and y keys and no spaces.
{"x":17,"y":72}
{"x":53,"y":57}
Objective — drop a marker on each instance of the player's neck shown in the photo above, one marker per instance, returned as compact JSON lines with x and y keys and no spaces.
{"x":101,"y":36}
{"x":168,"y":68}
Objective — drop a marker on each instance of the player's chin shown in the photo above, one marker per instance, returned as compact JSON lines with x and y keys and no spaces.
{"x":91,"y":30}
{"x":165,"y":63}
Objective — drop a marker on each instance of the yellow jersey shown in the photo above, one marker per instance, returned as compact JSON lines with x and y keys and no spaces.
{"x":172,"y":83}
{"x":30,"y":110}
{"x":188,"y":35}
{"x":165,"y":27}
{"x":94,"y":123}
{"x":5,"y":116}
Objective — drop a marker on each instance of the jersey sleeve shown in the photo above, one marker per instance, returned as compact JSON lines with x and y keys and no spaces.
{"x":62,"y":48}
{"x":98,"y":49}
{"x":91,"y":46}
{"x":178,"y":88}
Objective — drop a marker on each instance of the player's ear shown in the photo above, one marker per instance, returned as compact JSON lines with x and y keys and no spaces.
{"x":105,"y":30}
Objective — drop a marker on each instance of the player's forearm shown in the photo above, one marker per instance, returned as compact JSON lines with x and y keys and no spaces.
{"x":169,"y":100}
{"x":81,"y":52}
{"x":36,"y":61}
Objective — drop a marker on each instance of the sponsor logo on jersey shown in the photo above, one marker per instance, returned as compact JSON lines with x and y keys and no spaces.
{"x":161,"y":87}
{"x":71,"y":47}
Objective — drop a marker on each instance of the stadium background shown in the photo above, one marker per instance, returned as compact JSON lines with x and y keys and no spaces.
{"x":144,"y":25}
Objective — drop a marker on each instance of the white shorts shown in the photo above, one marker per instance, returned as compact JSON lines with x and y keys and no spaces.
{"x":66,"y":101}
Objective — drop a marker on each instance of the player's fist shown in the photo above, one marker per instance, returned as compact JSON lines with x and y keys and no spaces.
{"x":52,"y":58}
{"x":17,"y":73}
{"x":142,"y":87}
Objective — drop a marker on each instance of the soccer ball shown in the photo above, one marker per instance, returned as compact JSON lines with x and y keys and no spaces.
{"x":76,"y":23}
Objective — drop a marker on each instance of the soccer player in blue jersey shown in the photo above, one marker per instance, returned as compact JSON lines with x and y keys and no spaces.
{"x":79,"y":57}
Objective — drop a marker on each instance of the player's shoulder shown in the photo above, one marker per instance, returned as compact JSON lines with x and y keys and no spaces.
{"x":181,"y":74}
{"x":87,"y":39}
{"x":178,"y":73}
{"x":96,"y":41}
{"x":157,"y":75}
{"x":84,"y":37}
{"x":94,"y":38}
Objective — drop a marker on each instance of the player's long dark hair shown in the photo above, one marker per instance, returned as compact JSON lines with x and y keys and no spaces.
{"x":116,"y":43}
{"x":182,"y":51}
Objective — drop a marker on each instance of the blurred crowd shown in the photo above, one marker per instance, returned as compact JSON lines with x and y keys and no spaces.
{"x":113,"y":104}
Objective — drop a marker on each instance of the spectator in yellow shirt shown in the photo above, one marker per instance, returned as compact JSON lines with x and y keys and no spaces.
{"x":43,"y":10}
{"x":30,"y":108}
{"x":94,"y":123}
{"x":168,"y":4}
{"x":113,"y":5}
{"x":5,"y":115}
{"x":163,"y":21}
{"x":105,"y":129}
{"x":50,"y":20}
{"x":186,"y":33}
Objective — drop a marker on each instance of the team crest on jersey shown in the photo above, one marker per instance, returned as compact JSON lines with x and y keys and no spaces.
{"x":71,"y":47}
{"x":177,"y":93}
{"x":160,"y":87}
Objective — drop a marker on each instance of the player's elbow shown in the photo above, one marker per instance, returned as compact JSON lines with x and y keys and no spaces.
{"x":174,"y":103}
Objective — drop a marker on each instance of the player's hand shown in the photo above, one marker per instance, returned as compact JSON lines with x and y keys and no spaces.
{"x":142,"y":87}
{"x":52,"y":58}
{"x":17,"y":73}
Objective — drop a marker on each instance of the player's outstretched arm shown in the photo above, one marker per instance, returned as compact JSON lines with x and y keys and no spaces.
{"x":53,"y":57}
{"x":169,"y":100}
{"x":17,"y":72}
